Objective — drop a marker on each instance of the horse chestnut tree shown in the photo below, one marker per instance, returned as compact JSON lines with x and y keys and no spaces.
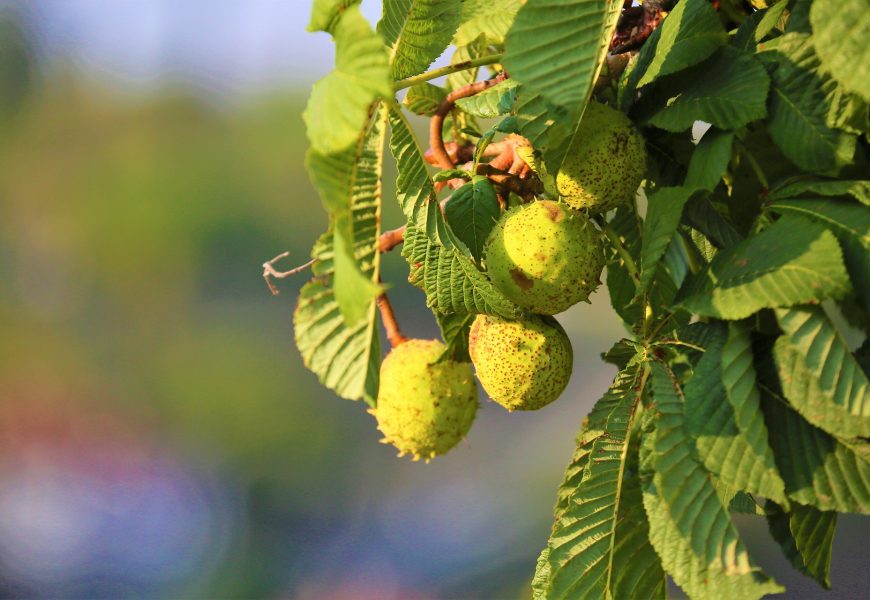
{"x":710,"y":157}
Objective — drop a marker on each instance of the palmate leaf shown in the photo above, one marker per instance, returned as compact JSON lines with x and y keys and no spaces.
{"x":472,"y":212}
{"x":441,"y":264}
{"x":690,"y":33}
{"x":798,"y":107}
{"x":819,"y":376}
{"x":417,"y":32}
{"x":345,"y":356}
{"x":340,"y":102}
{"x":858,"y":189}
{"x":490,"y":18}
{"x":806,"y":536}
{"x":840,"y":30}
{"x":325,"y":13}
{"x":599,"y":546}
{"x":555,"y":49}
{"x":710,"y":159}
{"x":729,"y":90}
{"x":664,"y":210}
{"x":497,"y":100}
{"x":738,"y":455}
{"x":793,"y":261}
{"x":818,"y":470}
{"x":690,"y":528}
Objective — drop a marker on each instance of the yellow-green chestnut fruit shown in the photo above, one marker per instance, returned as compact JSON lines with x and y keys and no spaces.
{"x":522,"y":365}
{"x":606,"y":162}
{"x":544,"y":256}
{"x":424,"y":407}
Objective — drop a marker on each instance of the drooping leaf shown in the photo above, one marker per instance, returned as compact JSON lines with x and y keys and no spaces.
{"x":665,"y":207}
{"x":728,"y":90}
{"x":454,"y":331}
{"x":690,"y":33}
{"x":797,"y":107}
{"x":710,"y":159}
{"x":424,"y":99}
{"x":599,"y":546}
{"x":700,"y":213}
{"x":344,"y":181}
{"x":325,"y":13}
{"x":497,"y":100}
{"x":858,"y":189}
{"x":726,"y":449}
{"x":345,"y":354}
{"x":555,"y":47}
{"x":819,"y":376}
{"x":840,"y":33}
{"x":806,"y":536}
{"x":417,"y":32}
{"x":793,"y":261}
{"x":690,"y":527}
{"x":490,"y":18}
{"x":339,"y":104}
{"x":818,"y":470}
{"x":472,"y":212}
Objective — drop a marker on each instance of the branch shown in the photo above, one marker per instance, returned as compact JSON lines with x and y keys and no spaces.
{"x":391,"y":325}
{"x":435,"y":73}
{"x":269,"y":271}
{"x":436,"y":141}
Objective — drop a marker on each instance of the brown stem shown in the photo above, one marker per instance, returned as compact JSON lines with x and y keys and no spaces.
{"x":436,"y":123}
{"x":391,"y":325}
{"x":391,"y":239}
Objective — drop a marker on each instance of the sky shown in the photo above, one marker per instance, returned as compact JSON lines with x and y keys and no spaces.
{"x":227,"y":47}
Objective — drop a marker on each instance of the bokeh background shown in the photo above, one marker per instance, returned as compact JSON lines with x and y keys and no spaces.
{"x":159,"y":436}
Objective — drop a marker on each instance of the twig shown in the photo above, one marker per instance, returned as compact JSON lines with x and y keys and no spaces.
{"x":436,"y":141}
{"x":269,"y":271}
{"x":391,"y":325}
{"x":391,"y":239}
{"x":435,"y":73}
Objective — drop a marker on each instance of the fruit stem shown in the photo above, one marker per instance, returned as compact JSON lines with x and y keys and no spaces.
{"x":440,"y":72}
{"x":617,"y":244}
{"x":391,"y":325}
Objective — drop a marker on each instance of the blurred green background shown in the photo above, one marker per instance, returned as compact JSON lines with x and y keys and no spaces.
{"x":160,"y":437}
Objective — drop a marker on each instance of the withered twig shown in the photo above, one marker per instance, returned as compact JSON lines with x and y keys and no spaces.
{"x":269,"y":271}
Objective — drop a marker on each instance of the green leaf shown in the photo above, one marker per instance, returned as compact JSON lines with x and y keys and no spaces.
{"x":729,"y":90}
{"x":819,"y":377}
{"x":700,"y":213}
{"x":325,"y":13}
{"x":343,"y":353}
{"x":424,"y":99}
{"x":664,"y":209}
{"x":489,"y":18}
{"x":794,"y":261}
{"x":755,"y":28}
{"x":690,"y":527}
{"x":726,"y":449}
{"x":798,"y":107}
{"x":339,"y":105}
{"x":599,"y":546}
{"x":710,"y":159}
{"x":806,"y":536}
{"x":817,"y":469}
{"x":840,"y":30}
{"x":417,"y":32}
{"x":555,"y":47}
{"x":541,"y":121}
{"x":858,"y":189}
{"x":451,"y":280}
{"x":844,"y":218}
{"x":345,"y":181}
{"x":497,"y":100}
{"x":690,"y":33}
{"x":473,"y":49}
{"x":472,"y":212}
{"x":454,"y":331}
